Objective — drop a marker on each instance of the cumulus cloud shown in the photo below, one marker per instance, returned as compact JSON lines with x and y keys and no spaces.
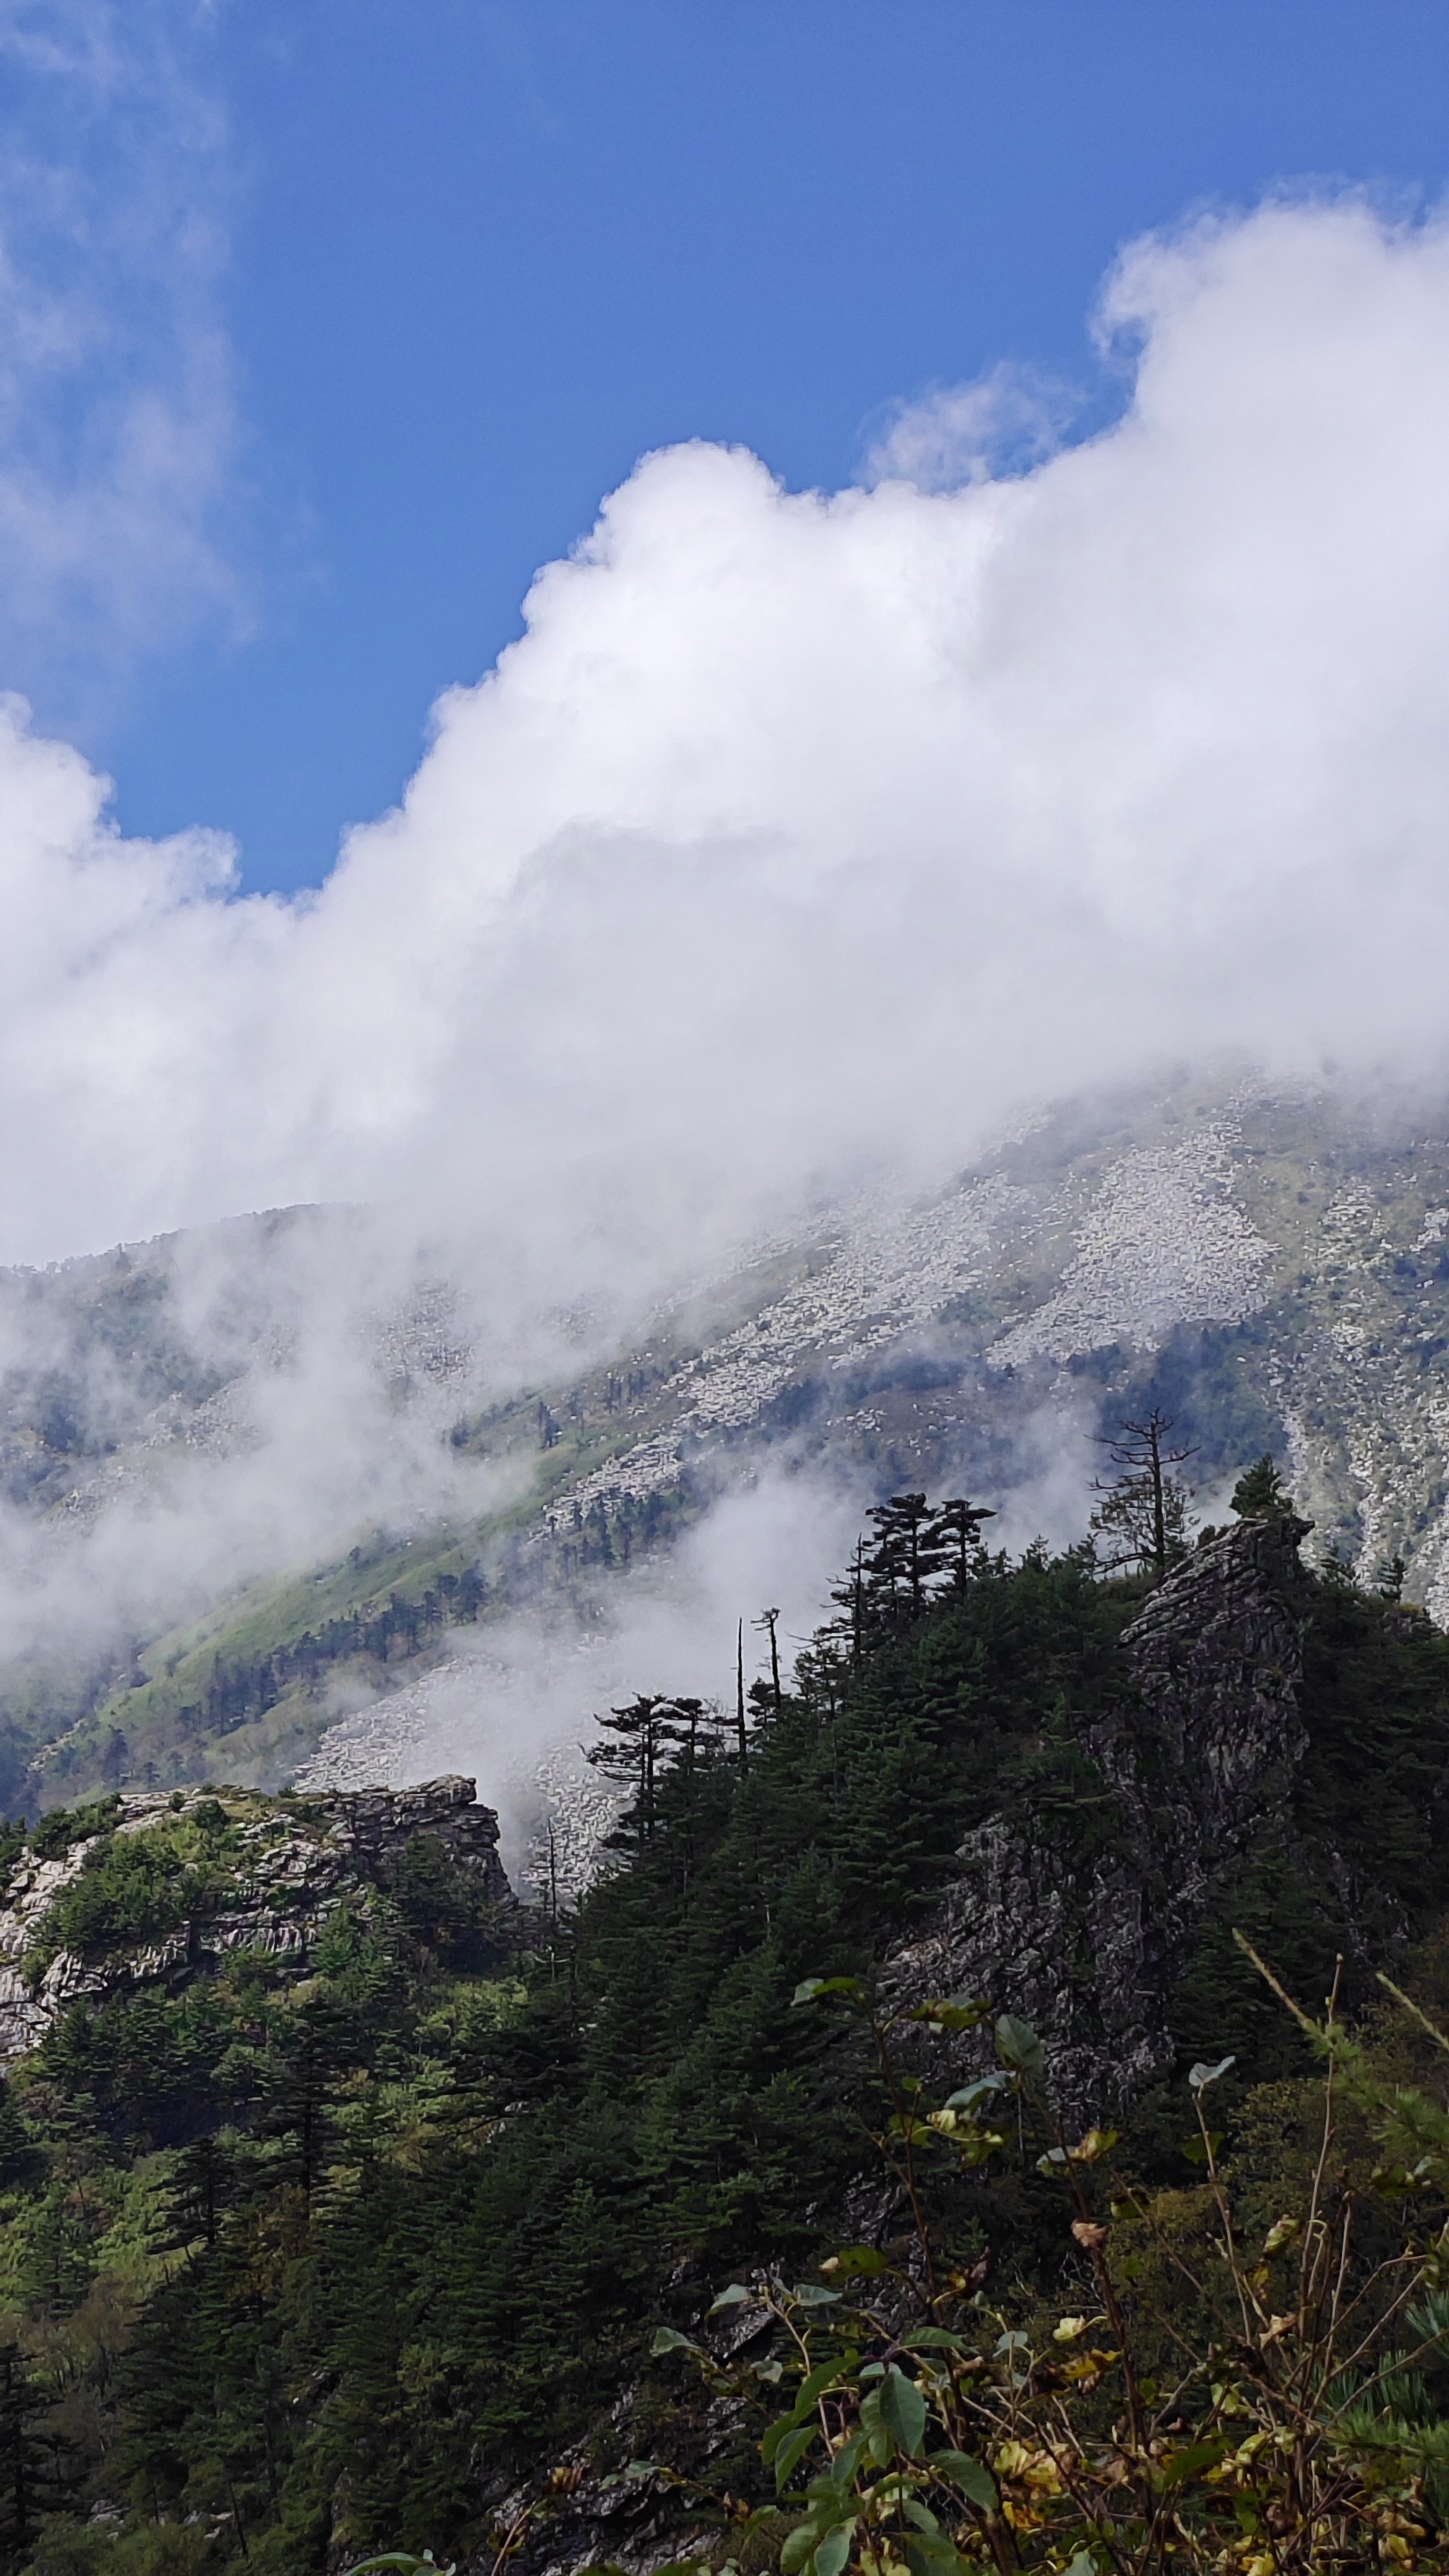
{"x":1008,"y":420}
{"x":801,"y":833}
{"x":798,"y":839}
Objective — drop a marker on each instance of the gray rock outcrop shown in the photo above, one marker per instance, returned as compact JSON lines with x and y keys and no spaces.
{"x":296,"y":1859}
{"x":1084,"y":1933}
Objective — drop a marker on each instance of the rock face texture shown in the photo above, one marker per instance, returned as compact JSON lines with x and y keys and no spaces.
{"x":1086,"y":1928}
{"x":289,"y":1861}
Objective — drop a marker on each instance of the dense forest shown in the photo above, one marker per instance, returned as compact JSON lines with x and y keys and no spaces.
{"x":412,"y":2251}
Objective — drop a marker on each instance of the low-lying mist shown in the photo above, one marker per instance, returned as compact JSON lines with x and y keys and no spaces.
{"x":524,"y":1687}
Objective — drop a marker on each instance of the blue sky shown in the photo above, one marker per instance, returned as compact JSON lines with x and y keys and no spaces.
{"x":419,"y":280}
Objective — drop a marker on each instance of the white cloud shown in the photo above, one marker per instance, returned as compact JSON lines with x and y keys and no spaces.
{"x":797,"y":834}
{"x":799,"y":830}
{"x":1009,"y":419}
{"x":518,"y":1689}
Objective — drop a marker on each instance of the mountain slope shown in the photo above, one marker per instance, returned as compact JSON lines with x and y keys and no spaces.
{"x":335,"y":2259}
{"x":1271,"y":1265}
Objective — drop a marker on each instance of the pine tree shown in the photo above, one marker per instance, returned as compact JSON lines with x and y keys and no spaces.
{"x":909,"y":1554}
{"x":19,"y":2155}
{"x":956,"y":1530}
{"x":33,"y":2463}
{"x":1142,"y":1516}
{"x":1260,"y":1494}
{"x":852,"y":1596}
{"x":638,"y":1737}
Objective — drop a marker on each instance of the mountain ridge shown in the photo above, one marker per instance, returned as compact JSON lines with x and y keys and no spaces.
{"x":1268,"y":1261}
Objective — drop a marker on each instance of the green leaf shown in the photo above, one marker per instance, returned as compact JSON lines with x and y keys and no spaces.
{"x":834,"y":2550}
{"x":791,"y":2451}
{"x":846,"y":2461}
{"x":797,"y":2548}
{"x":1018,"y":2047}
{"x":879,"y":2437}
{"x":903,"y":2410}
{"x":666,"y":2340}
{"x":930,"y":2553}
{"x":1196,"y":2149}
{"x":1097,"y":2142}
{"x":932,"y":2339}
{"x":807,"y":2294}
{"x":918,"y":2133}
{"x":1199,"y":2455}
{"x":812,"y":1990}
{"x":828,"y":2505}
{"x":815,"y":2386}
{"x":950,"y":2012}
{"x":855,"y":2263}
{"x":735,"y":2296}
{"x":972,"y":2476}
{"x":971,"y":2094}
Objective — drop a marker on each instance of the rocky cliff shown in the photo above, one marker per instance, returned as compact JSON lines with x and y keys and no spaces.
{"x":220,"y":1872}
{"x":1244,"y":1771}
{"x":1206,"y":1799}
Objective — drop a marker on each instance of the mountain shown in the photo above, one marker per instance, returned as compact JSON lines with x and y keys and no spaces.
{"x":1269,"y":1264}
{"x":345,"y":2201}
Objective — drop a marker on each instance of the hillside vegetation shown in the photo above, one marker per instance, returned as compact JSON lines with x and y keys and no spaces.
{"x":306,"y":2258}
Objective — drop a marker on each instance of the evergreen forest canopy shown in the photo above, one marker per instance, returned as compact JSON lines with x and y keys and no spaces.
{"x":296,"y":2269}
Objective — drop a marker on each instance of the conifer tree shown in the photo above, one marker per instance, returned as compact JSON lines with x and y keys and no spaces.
{"x":769,"y":1620}
{"x":956,"y":1529}
{"x":33,"y":2475}
{"x":637,"y":1740}
{"x":851,"y":1596}
{"x":1261,"y":1495}
{"x":909,"y":1553}
{"x":1142,"y":1516}
{"x":19,"y":2157}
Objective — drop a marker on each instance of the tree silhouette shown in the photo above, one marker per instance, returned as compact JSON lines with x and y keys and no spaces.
{"x":1142,"y":1516}
{"x":957,"y":1530}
